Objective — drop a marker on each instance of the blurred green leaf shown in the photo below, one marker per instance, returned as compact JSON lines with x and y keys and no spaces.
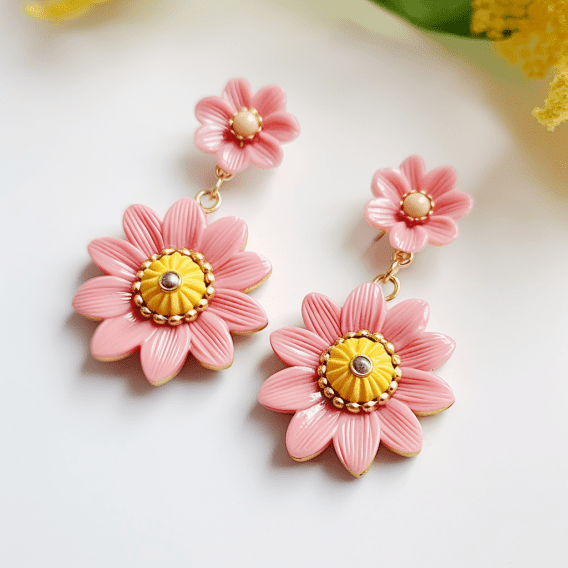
{"x":445,"y":16}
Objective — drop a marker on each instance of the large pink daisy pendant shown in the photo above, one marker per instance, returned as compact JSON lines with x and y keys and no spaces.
{"x":172,"y":287}
{"x":358,"y":376}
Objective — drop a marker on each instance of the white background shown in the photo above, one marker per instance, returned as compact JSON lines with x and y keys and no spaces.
{"x":98,"y":468}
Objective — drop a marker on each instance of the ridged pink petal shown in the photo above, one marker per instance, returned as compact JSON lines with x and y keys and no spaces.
{"x":441,"y":230}
{"x":365,"y":308}
{"x":163,"y":353}
{"x":210,"y":138}
{"x":381,"y":212}
{"x":239,"y":93}
{"x":116,"y":257}
{"x":184,"y":224}
{"x":455,"y":204}
{"x":269,"y":99}
{"x":103,"y":297}
{"x":265,"y":151}
{"x":322,"y":316}
{"x":222,"y":239}
{"x":241,"y":313}
{"x":414,"y":170}
{"x":214,"y":110}
{"x":116,"y":338}
{"x":232,"y":158}
{"x":400,"y":430}
{"x":211,"y":342}
{"x":405,"y":322}
{"x":282,"y":125}
{"x":408,"y":239}
{"x":427,"y":352}
{"x":143,"y":228}
{"x":423,"y":392}
{"x":297,"y":346}
{"x":311,"y":431}
{"x":356,"y":441}
{"x":244,"y":271}
{"x":390,"y":184}
{"x":290,"y":390}
{"x":440,"y":181}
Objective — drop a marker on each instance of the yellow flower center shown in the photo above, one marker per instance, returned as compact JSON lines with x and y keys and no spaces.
{"x":172,"y":287}
{"x":359,"y":371}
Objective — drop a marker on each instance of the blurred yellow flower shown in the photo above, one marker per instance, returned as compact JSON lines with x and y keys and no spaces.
{"x":59,"y":10}
{"x":534,"y":32}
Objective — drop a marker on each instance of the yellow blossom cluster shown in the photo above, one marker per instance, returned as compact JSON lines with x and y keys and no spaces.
{"x":534,"y":33}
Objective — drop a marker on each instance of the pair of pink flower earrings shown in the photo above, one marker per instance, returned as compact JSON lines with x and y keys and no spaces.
{"x":357,"y":375}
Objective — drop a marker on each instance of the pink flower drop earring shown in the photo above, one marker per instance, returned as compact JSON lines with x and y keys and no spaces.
{"x":178,"y":285}
{"x":359,"y":374}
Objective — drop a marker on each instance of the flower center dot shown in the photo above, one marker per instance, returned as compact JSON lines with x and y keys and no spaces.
{"x":361,"y":366}
{"x":246,"y":123}
{"x":416,"y":205}
{"x":170,"y":281}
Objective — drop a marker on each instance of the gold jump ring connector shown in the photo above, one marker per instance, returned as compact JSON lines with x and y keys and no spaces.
{"x":214,"y":194}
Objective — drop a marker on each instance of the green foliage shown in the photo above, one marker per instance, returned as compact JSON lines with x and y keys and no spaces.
{"x":445,"y":16}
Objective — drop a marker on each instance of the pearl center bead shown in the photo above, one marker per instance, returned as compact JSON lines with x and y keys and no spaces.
{"x":416,"y":205}
{"x":246,"y":123}
{"x":361,"y":366}
{"x":170,"y":281}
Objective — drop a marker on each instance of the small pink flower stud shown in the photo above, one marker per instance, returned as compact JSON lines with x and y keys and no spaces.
{"x":357,"y":377}
{"x":173,"y":287}
{"x":416,"y":207}
{"x":242,"y":128}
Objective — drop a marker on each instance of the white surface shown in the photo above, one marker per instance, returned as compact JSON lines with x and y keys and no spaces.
{"x":100,"y":469}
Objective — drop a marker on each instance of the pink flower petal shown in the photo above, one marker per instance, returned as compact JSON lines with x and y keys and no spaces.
{"x":118,"y":337}
{"x":143,"y":229}
{"x":439,"y":181}
{"x":212,"y":344}
{"x":164,"y":352}
{"x":210,"y":138}
{"x":103,"y":297}
{"x":244,"y":271}
{"x":322,"y":316}
{"x":408,"y":238}
{"x":405,"y":322}
{"x":365,"y":308}
{"x":390,"y":184}
{"x":441,"y":230}
{"x":290,"y":390}
{"x":455,"y":204}
{"x":214,"y":111}
{"x":414,"y":170}
{"x":116,"y":257}
{"x":427,"y":352}
{"x":265,"y":151}
{"x":297,"y":346}
{"x":400,"y":430}
{"x":222,"y":239}
{"x":232,"y":158}
{"x":311,"y":431}
{"x":282,"y":125}
{"x":241,"y":313}
{"x":381,"y":212}
{"x":268,"y":100}
{"x":239,"y":93}
{"x":424,"y":393}
{"x":184,"y":224}
{"x":356,"y":441}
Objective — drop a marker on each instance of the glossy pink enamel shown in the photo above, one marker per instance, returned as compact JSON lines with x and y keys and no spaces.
{"x":448,"y":204}
{"x":222,"y":239}
{"x":184,"y":225}
{"x":427,"y":352}
{"x":263,"y":150}
{"x":365,"y":308}
{"x":299,"y":347}
{"x":423,"y":392}
{"x":103,"y":297}
{"x":400,"y":430}
{"x":116,"y":257}
{"x":356,"y":441}
{"x":405,"y":322}
{"x":290,"y":390}
{"x":240,"y":312}
{"x":211,"y":343}
{"x":243,"y":271}
{"x":322,"y":316}
{"x":143,"y":228}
